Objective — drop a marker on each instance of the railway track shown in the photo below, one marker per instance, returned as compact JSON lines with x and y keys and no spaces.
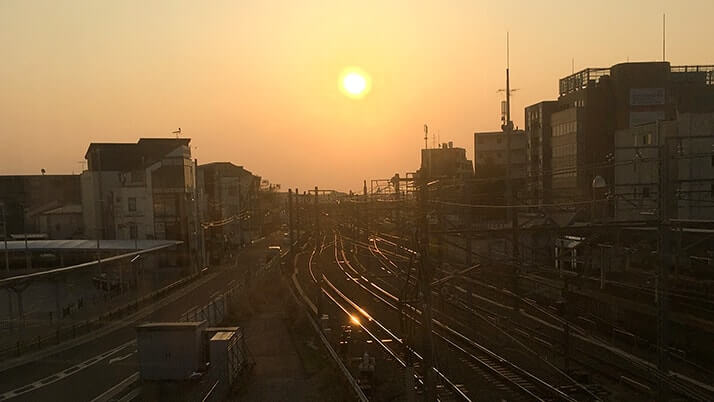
{"x":677,"y":382}
{"x":501,"y":373}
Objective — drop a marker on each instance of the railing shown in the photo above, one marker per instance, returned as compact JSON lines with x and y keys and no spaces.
{"x":69,"y":332}
{"x":581,"y":79}
{"x":706,"y":72}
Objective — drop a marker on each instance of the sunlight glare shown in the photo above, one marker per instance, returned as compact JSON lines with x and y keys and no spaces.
{"x":354,"y":83}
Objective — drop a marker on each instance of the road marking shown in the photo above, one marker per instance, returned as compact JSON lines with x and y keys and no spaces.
{"x":120,"y":358}
{"x":121,"y":386}
{"x":62,"y":374}
{"x":131,"y":395}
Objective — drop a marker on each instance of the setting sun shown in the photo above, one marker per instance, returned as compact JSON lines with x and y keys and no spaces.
{"x":354,"y":83}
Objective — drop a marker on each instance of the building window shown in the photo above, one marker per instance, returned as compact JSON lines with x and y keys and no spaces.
{"x":133,"y":231}
{"x":132,"y":204}
{"x":646,"y":192}
{"x":712,"y":160}
{"x":498,"y":140}
{"x":480,"y":139}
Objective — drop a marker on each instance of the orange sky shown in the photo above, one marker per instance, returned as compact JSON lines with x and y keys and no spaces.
{"x":256,"y":83}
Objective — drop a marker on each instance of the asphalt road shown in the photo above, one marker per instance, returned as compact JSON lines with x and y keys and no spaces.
{"x":86,"y":371}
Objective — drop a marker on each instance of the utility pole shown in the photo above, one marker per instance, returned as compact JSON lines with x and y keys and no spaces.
{"x":317,"y":216}
{"x":28,"y":256}
{"x":4,"y":228}
{"x":197,"y":221}
{"x":665,"y":254}
{"x":239,"y":226}
{"x":425,"y":279}
{"x":297,"y":214}
{"x":7,"y":259}
{"x":290,"y":219}
{"x":468,"y":218}
{"x":566,"y":323}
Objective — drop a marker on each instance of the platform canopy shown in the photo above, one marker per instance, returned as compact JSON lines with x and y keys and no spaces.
{"x":85,"y":245}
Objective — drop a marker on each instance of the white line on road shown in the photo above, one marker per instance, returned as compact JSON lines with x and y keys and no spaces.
{"x":120,"y":358}
{"x":115,"y":390}
{"x":131,"y":395}
{"x":62,"y":374}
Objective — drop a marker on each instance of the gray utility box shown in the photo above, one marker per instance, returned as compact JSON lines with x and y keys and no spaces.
{"x":169,"y":350}
{"x":227,"y":358}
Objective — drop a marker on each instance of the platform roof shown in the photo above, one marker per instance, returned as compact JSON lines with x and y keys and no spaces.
{"x":85,"y":245}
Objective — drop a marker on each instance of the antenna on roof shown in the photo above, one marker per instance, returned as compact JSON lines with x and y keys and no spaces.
{"x":426,"y":136}
{"x":177,"y":132}
{"x":664,"y":31}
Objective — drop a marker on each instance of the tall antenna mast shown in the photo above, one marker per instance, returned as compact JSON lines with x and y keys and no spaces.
{"x":508,"y":83}
{"x":508,"y":51}
{"x":664,"y":32}
{"x":426,"y":136}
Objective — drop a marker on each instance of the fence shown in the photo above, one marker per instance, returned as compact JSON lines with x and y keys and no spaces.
{"x":69,"y":332}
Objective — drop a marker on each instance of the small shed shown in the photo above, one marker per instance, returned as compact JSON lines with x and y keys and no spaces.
{"x":170,"y":350}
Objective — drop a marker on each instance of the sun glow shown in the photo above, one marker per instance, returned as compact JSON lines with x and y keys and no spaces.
{"x":354,"y":83}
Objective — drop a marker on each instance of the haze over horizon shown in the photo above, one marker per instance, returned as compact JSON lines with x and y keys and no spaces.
{"x":256,"y":83}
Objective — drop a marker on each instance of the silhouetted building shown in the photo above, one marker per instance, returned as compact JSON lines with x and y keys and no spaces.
{"x":688,"y":145}
{"x":490,"y":154}
{"x":24,"y":198}
{"x":62,"y":223}
{"x":143,"y":190}
{"x":229,"y":204}
{"x":539,"y":134}
{"x":445,"y":161}
{"x":595,"y":102}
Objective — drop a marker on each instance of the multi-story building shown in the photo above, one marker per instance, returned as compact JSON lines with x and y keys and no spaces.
{"x":62,"y":223}
{"x":143,"y":190}
{"x":24,"y":198}
{"x":687,"y":143}
{"x":539,"y":134}
{"x":445,"y":161}
{"x":490,"y":154}
{"x":229,"y":202}
{"x":595,"y":102}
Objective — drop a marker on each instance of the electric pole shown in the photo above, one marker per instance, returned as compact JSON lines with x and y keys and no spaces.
{"x":425,"y":279}
{"x":665,"y":254}
{"x":317,"y":216}
{"x":4,"y":228}
{"x":291,"y":224}
{"x":297,"y":214}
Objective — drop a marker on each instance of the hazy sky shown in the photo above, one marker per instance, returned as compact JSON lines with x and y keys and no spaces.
{"x":256,"y":82}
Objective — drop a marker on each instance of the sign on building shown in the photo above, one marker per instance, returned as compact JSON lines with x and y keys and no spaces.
{"x":640,"y":118}
{"x":647,"y":96}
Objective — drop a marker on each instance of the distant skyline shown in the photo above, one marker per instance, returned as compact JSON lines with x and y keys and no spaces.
{"x":257,"y":83}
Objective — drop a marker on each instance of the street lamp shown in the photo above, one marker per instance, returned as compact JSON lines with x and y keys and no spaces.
{"x":598,"y":185}
{"x":4,"y":227}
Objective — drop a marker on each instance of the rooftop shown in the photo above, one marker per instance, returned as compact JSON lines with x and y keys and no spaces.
{"x":111,"y":156}
{"x":78,"y":245}
{"x":580,"y":80}
{"x":170,"y":326}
